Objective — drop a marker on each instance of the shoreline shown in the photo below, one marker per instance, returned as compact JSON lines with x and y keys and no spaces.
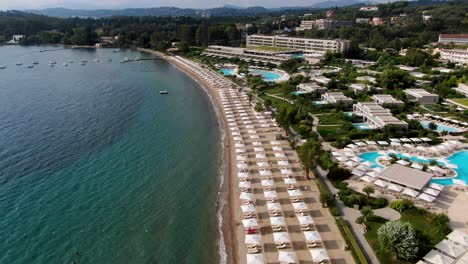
{"x":228,"y":236}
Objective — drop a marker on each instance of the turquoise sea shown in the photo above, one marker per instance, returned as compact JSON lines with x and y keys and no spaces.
{"x":97,"y":167}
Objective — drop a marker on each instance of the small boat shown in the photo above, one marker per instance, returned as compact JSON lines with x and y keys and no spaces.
{"x":2,"y":67}
{"x":84,"y":61}
{"x":116,"y":50}
{"x":35,"y":62}
{"x":163,"y":92}
{"x":96,"y":60}
{"x":70,"y":61}
{"x":19,"y":64}
{"x":30,"y":66}
{"x":108,"y":59}
{"x":65,"y":64}
{"x":52,"y":62}
{"x":51,"y":65}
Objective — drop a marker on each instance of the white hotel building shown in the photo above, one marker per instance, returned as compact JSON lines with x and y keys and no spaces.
{"x":458,"y":56}
{"x":377,"y":116}
{"x":309,"y":46}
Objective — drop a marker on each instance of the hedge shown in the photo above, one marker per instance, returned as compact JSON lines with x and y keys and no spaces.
{"x":356,"y":251}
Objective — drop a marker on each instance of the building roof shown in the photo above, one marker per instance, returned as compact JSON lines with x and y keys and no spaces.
{"x":453,"y":36}
{"x":412,"y":178}
{"x":419,"y":92}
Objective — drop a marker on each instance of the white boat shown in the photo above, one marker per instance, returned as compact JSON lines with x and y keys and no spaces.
{"x":2,"y":67}
{"x":108,"y":59}
{"x":96,"y":60}
{"x":163,"y":92}
{"x":117,"y":50}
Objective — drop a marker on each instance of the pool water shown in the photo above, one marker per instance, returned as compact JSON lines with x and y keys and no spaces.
{"x":460,"y":159}
{"x":440,"y":127}
{"x":268,"y":76}
{"x":298,"y":56}
{"x":227,"y":71}
{"x":362,"y":126}
{"x":320,"y":102}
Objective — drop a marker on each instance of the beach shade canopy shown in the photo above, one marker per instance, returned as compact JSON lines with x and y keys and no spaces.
{"x":425,"y":139}
{"x":275,"y":142}
{"x":277,"y":221}
{"x":277,"y":148}
{"x":319,"y":255}
{"x":392,"y":151}
{"x":367,"y":179}
{"x":358,"y":172}
{"x":403,"y":162}
{"x":260,"y":156}
{"x":281,"y":237}
{"x":273,"y":206}
{"x":283,"y":162}
{"x":242,"y":165}
{"x":300,"y":206}
{"x":458,"y":237}
{"x":265,"y":172}
{"x":451,"y":166}
{"x":373,"y":174}
{"x":243,"y":174}
{"x":255,"y":258}
{"x":394,"y":187}
{"x":289,"y":181}
{"x":417,"y":166}
{"x":263,"y":164}
{"x":248,"y":208}
{"x":241,"y":158}
{"x":396,"y":144}
{"x":450,"y":248}
{"x":368,"y":163}
{"x":382,"y":143}
{"x":259,"y":149}
{"x":378,"y":169}
{"x":305,"y":220}
{"x":267,"y":183}
{"x":361,"y":144}
{"x":253,"y":239}
{"x":335,"y":154}
{"x":421,"y":158}
{"x":435,"y":257}
{"x":252,"y":131}
{"x":270,"y":194}
{"x":294,"y":193}
{"x":394,"y":140}
{"x":434,"y":168}
{"x":245,"y":184}
{"x":256,"y":143}
{"x":381,"y":183}
{"x":237,"y":138}
{"x":350,"y":154}
{"x":240,"y":145}
{"x":245,"y":196}
{"x":426,"y":197}
{"x":249,"y":223}
{"x":353,"y":146}
{"x":410,"y":192}
{"x":405,"y":140}
{"x":363,"y":167}
{"x":312,"y":236}
{"x":342,"y":159}
{"x":356,"y":159}
{"x":436,"y":186}
{"x":431,"y":191}
{"x":286,"y":257}
{"x":286,"y":171}
{"x":370,"y":142}
{"x":254,"y":137}
{"x":280,"y":155}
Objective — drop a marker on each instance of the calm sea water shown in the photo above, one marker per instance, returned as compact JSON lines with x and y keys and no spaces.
{"x":97,"y":167}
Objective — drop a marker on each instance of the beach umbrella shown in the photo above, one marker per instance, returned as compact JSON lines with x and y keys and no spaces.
{"x":254,"y":137}
{"x":252,"y":132}
{"x":417,"y":166}
{"x":275,"y":143}
{"x":255,"y":258}
{"x":274,"y":206}
{"x":265,"y":172}
{"x":357,"y":172}
{"x":276,"y":148}
{"x":361,"y":144}
{"x":405,"y":140}
{"x":245,"y":196}
{"x":300,"y":206}
{"x":262,"y":163}
{"x":450,"y":248}
{"x":336,"y":154}
{"x":342,"y":159}
{"x":305,"y":220}
{"x":236,"y":133}
{"x":392,"y":151}
{"x":356,"y":159}
{"x":286,"y":171}
{"x":370,"y":142}
{"x":280,"y":155}
{"x":410,"y":192}
{"x":348,"y":150}
{"x":240,"y":145}
{"x":368,"y":163}
{"x":289,"y":181}
{"x":373,"y":174}
{"x":312,"y":236}
{"x":270,"y":194}
{"x":394,"y":140}
{"x":277,"y":221}
{"x":243,"y":174}
{"x":381,"y":183}
{"x":283,"y":163}
{"x":253,"y":239}
{"x":353,"y":146}
{"x":350,"y":154}
{"x":267,"y":183}
{"x":378,"y":169}
{"x":421,"y":158}
{"x":240,"y":150}
{"x":248,"y":208}
{"x":281,"y":237}
{"x":367,"y":179}
{"x":386,"y":158}
{"x":294,"y":193}
{"x":403,"y":162}
{"x":249,"y":223}
{"x":431,"y":191}
{"x":395,"y":144}
{"x":382,"y":143}
{"x":451,"y":166}
{"x":394,"y":187}
{"x":436,"y":186}
{"x":286,"y":257}
{"x":242,"y":165}
{"x":319,"y":255}
{"x":237,"y":138}
{"x":245,"y":184}
{"x":406,"y":155}
{"x":459,"y":237}
{"x":426,"y":197}
{"x":256,"y":143}
{"x":435,"y":257}
{"x":350,"y":163}
{"x":241,"y":157}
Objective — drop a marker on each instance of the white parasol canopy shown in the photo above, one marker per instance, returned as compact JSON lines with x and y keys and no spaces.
{"x":286,"y":171}
{"x":294,"y":193}
{"x":358,"y":172}
{"x":431,"y":191}
{"x":417,"y":166}
{"x":394,"y":187}
{"x":368,"y":163}
{"x":246,"y":196}
{"x":305,"y":220}
{"x":274,"y":206}
{"x":260,"y":156}
{"x":410,"y":192}
{"x":281,"y":237}
{"x":435,"y":257}
{"x":245,"y":184}
{"x":243,"y":174}
{"x":267,"y":183}
{"x":259,"y":149}
{"x":280,"y":155}
{"x":342,"y":159}
{"x":256,"y":143}
{"x":255,"y":258}
{"x":450,"y":248}
{"x":300,"y":206}
{"x":249,"y":223}
{"x":373,"y":174}
{"x":381,"y":183}
{"x":403,"y":162}
{"x":242,"y":165}
{"x":367,"y":179}
{"x":312,"y":236}
{"x":277,"y":221}
{"x":253,"y":239}
{"x":286,"y":257}
{"x":319,"y":255}
{"x":277,"y":148}
{"x":351,"y":163}
{"x":378,"y":170}
{"x":458,"y":237}
{"x":436,"y":186}
{"x":265,"y":172}
{"x":283,"y":162}
{"x":275,"y":142}
{"x":263,"y":164}
{"x":426,"y":197}
{"x":290,"y":181}
{"x":249,"y":208}
{"x":270,"y":194}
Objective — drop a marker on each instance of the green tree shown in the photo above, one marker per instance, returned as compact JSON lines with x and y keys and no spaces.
{"x":291,"y":65}
{"x":258,"y":107}
{"x":309,"y":153}
{"x":432,"y":126}
{"x":441,"y":223}
{"x":267,"y":103}
{"x":366,"y":212}
{"x":324,"y":198}
{"x":368,"y":190}
{"x":399,"y":238}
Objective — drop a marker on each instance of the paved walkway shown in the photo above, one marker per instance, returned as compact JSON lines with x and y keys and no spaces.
{"x":350,"y":215}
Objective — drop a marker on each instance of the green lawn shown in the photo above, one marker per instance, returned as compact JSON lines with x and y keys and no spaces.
{"x":273,"y":91}
{"x":274,"y":100}
{"x":330,"y":119}
{"x":463,"y":101}
{"x":331,"y":133}
{"x":419,"y":220}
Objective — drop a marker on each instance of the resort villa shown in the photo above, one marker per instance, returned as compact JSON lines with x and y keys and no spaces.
{"x":462,"y":88}
{"x":377,"y":116}
{"x":323,"y":24}
{"x":459,"y":56}
{"x":311,"y":87}
{"x":266,"y":56}
{"x":321,"y":79}
{"x":421,"y":96}
{"x":359,"y":87}
{"x":336,"y":98}
{"x":369,"y":8}
{"x":461,"y":39}
{"x":387,"y":100}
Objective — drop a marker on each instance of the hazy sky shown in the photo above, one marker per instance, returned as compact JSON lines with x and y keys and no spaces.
{"x":93,"y":4}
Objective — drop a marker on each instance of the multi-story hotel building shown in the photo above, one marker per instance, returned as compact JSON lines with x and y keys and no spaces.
{"x":377,"y":116}
{"x":305,"y":44}
{"x":453,"y":38}
{"x":459,"y":56}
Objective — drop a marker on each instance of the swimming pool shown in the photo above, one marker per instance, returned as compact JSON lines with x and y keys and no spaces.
{"x":268,"y":76}
{"x":227,"y":71}
{"x":458,"y":159}
{"x":320,"y":102}
{"x":440,"y":127}
{"x":362,"y":126}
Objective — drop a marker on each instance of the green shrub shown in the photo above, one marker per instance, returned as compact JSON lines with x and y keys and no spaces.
{"x":334,"y":211}
{"x":341,"y":185}
{"x":402,"y":205}
{"x":380,"y":202}
{"x":441,"y":223}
